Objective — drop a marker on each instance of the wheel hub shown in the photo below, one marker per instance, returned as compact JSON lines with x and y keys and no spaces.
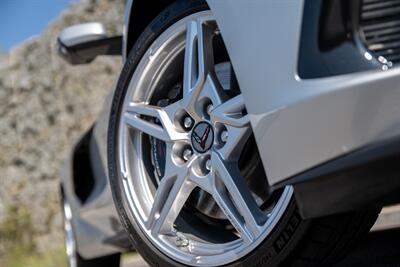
{"x":202,"y":137}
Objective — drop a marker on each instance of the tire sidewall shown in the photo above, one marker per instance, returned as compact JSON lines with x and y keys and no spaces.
{"x":288,"y":231}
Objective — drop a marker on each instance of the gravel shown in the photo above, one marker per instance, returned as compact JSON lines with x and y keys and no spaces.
{"x":44,"y":105}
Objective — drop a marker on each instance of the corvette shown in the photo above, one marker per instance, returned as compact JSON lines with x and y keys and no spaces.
{"x":259,"y":133}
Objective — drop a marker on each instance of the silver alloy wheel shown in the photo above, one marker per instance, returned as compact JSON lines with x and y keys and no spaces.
{"x":70,"y":243}
{"x":204,"y":156}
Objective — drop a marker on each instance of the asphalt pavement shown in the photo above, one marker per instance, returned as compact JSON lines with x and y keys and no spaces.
{"x":378,"y":249}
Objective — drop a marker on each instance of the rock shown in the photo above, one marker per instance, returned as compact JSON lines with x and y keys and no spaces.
{"x":45,"y":104}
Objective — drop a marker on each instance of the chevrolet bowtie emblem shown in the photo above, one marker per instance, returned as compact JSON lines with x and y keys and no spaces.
{"x":202,"y":137}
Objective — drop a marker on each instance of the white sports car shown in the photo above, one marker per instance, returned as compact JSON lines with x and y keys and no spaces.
{"x":239,"y":133}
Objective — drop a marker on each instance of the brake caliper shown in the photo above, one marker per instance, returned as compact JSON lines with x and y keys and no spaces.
{"x":158,"y":147}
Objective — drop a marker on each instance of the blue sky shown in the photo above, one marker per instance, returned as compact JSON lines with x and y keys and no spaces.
{"x":21,"y":19}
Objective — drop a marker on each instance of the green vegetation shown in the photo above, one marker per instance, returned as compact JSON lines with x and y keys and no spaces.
{"x":55,"y":258}
{"x":17,"y":247}
{"x":16,"y":230}
{"x":128,"y":255}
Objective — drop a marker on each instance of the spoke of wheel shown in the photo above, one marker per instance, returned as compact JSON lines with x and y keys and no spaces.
{"x":237,"y":123}
{"x":231,"y":113}
{"x":237,"y":138}
{"x":165,"y":131}
{"x":243,"y":201}
{"x":170,"y":197}
{"x":199,"y":61}
{"x":213,"y":90}
{"x":224,"y":202}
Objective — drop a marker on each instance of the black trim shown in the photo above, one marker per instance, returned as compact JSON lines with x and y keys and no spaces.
{"x":333,"y":29}
{"x":369,"y":177}
{"x":86,"y":52}
{"x":330,"y":41}
{"x":83,"y":178}
{"x":379,"y":29}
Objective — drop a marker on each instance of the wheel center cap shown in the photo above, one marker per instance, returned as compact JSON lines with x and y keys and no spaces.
{"x":202,"y":137}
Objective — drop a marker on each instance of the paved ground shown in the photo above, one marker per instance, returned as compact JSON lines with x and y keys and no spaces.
{"x":388,"y":219}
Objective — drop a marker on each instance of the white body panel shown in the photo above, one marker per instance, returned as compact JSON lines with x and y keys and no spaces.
{"x":299,"y":124}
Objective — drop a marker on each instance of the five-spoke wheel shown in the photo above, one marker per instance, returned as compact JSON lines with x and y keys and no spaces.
{"x":203,"y":133}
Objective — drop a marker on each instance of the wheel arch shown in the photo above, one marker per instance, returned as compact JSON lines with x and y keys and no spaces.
{"x":139,"y":14}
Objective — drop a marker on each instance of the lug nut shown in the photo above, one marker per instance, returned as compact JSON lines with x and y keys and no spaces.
{"x":224,"y":136}
{"x":188,"y":122}
{"x":187,"y":154}
{"x":208,"y":165}
{"x":209,"y":108}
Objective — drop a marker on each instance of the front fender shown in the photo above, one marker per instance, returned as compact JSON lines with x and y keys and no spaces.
{"x":301,"y":123}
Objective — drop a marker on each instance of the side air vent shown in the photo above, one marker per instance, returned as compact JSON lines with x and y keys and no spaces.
{"x":380,"y":28}
{"x":82,"y":171}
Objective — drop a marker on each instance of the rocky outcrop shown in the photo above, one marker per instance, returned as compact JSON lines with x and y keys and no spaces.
{"x":44,"y":105}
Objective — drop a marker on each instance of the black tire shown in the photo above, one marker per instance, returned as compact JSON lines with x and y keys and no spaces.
{"x":294,"y":242}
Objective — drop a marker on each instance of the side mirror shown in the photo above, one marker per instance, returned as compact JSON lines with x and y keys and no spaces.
{"x":82,"y":43}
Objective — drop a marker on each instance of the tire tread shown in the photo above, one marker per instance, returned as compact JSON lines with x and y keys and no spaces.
{"x":319,"y":248}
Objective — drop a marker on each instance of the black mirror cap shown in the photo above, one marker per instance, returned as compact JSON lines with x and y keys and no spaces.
{"x":84,"y":53}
